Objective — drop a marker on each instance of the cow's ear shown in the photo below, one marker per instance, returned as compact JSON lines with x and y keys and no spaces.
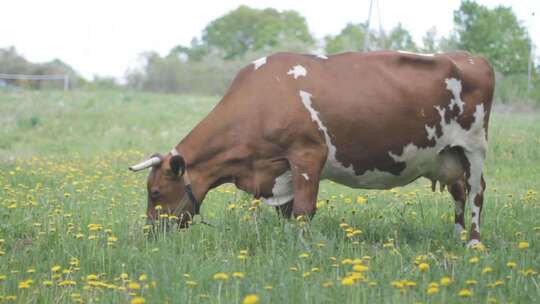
{"x":178,"y":165}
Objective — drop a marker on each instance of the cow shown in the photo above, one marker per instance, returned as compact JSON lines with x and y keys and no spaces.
{"x":374,"y":120}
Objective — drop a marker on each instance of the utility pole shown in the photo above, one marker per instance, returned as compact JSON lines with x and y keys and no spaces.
{"x":366,"y":34}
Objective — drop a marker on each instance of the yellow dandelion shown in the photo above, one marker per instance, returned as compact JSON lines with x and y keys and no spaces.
{"x":423,"y":266}
{"x":474,"y":260}
{"x":360,"y":268}
{"x":67,"y":283}
{"x":221,"y":276}
{"x":410,"y":283}
{"x":238,"y":275}
{"x":134,"y":285}
{"x":304,"y":255}
{"x":487,"y":270}
{"x":445,"y":281}
{"x":523,"y":245}
{"x":347,"y":281}
{"x":25,"y":284}
{"x":432,"y":290}
{"x":191,"y":284}
{"x":471,"y":282}
{"x":361,"y":200}
{"x":251,"y":299}
{"x":328,"y":284}
{"x":465,"y":293}
{"x":138,"y":300}
{"x":143,"y":277}
{"x":56,"y":268}
{"x":511,"y":264}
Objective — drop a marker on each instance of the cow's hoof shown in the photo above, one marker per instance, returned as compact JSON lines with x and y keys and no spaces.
{"x":474,"y":244}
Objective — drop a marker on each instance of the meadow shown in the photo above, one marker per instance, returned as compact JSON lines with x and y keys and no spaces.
{"x":72,"y":225}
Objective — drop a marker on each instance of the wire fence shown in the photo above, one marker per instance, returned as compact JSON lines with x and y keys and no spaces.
{"x":54,"y":77}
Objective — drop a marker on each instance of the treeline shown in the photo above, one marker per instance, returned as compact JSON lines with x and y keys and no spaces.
{"x":11,"y":62}
{"x":228,"y":43}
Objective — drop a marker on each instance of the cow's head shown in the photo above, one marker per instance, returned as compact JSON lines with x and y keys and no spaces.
{"x":167,"y":189}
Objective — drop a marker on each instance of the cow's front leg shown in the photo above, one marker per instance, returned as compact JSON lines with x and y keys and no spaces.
{"x":306,"y":167}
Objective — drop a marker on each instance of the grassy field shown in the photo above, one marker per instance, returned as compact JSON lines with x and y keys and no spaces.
{"x":72,"y":219}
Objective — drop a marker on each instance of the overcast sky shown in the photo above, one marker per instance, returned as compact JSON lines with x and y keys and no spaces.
{"x":105,"y":37}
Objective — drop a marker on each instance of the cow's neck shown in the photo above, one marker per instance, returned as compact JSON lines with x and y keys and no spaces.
{"x":210,"y":153}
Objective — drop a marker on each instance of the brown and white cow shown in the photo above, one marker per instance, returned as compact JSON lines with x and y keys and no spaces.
{"x":366,"y":120}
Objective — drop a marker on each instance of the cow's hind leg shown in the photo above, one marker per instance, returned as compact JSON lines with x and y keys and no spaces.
{"x":306,"y":166}
{"x":458,"y":192}
{"x":475,"y":185}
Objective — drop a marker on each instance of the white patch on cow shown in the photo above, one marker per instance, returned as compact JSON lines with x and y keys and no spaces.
{"x":282,"y":192}
{"x":259,"y":62}
{"x":417,"y":54}
{"x":174,"y":152}
{"x":472,"y":243}
{"x":331,"y":159}
{"x":306,"y":177}
{"x":455,"y":87}
{"x":431,"y":132}
{"x":476,"y":217}
{"x":322,"y":56}
{"x":471,"y":61}
{"x":335,"y":170}
{"x":297,"y":71}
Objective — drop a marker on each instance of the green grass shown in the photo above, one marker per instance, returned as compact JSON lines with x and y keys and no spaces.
{"x":63,"y":160}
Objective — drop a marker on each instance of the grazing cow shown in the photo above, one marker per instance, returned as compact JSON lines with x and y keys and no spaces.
{"x":366,"y":120}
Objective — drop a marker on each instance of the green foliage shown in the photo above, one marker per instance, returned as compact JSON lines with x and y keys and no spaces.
{"x":246,"y":29}
{"x":397,"y":39}
{"x":429,"y":41}
{"x":512,"y":89}
{"x":495,"y":33}
{"x":351,"y":38}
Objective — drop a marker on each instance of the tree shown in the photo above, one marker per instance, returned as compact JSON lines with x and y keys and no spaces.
{"x":196,"y":52}
{"x":351,"y":38}
{"x":429,"y":41}
{"x":397,"y":39}
{"x":246,"y":29}
{"x":495,"y":33}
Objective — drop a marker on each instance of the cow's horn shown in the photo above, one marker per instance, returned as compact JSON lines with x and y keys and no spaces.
{"x":146,"y":164}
